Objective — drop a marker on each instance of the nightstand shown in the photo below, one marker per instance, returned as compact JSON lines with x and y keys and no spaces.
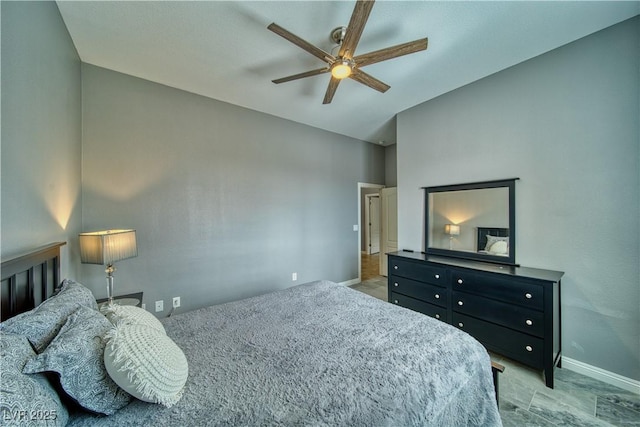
{"x":129,"y":299}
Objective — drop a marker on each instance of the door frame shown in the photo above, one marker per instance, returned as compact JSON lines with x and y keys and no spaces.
{"x":362,"y":185}
{"x":384,"y":228}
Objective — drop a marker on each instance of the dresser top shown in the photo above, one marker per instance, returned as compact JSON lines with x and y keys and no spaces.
{"x":533,"y":273}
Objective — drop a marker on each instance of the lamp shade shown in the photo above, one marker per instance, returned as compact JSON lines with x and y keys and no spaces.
{"x":107,"y":247}
{"x":452,"y":229}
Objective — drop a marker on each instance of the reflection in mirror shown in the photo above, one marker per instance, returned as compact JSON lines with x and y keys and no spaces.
{"x":475,"y":221}
{"x":456,"y":216}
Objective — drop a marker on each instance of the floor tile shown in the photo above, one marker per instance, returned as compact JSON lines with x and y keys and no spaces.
{"x":514,"y":416}
{"x":626,"y":400}
{"x":617,"y":415}
{"x":562,"y":414}
{"x":570,"y":378}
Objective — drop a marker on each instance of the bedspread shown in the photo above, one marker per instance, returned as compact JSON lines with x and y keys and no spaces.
{"x":320,"y":354}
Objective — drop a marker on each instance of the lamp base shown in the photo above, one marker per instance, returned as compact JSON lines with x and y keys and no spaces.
{"x":109,"y":270}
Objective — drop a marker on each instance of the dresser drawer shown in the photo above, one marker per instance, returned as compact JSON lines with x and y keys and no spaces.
{"x":418,"y":271}
{"x":509,"y":315}
{"x":516,"y":345}
{"x":419,"y":290}
{"x":507,"y":289}
{"x":439,"y":313}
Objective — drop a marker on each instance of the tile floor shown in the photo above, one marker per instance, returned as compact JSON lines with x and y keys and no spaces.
{"x":576,"y":400}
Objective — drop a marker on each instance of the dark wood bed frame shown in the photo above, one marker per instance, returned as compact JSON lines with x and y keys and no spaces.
{"x":29,"y":279}
{"x":492,"y":231}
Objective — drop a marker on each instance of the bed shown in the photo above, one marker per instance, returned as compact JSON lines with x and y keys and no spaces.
{"x":313,"y":354}
{"x":489,"y":236}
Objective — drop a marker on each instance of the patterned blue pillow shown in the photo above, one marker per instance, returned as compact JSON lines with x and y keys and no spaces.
{"x":41,"y":324}
{"x":77,"y":355}
{"x":25,"y":399}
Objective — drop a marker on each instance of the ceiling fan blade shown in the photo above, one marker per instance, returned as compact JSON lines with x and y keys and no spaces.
{"x":331,"y":90}
{"x":368,"y":80}
{"x":301,"y":75}
{"x":356,"y":25}
{"x":391,"y":52}
{"x":315,"y":51}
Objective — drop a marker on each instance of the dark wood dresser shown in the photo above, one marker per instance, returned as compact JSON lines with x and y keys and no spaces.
{"x":513,"y":311}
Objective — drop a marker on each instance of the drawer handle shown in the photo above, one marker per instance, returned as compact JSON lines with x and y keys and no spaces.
{"x":437,"y":316}
{"x":395,"y":284}
{"x":395,"y":267}
{"x":460,"y":303}
{"x":395,"y":301}
{"x":460,"y":281}
{"x":529,"y":348}
{"x":528,"y":322}
{"x":437,"y":296}
{"x":461,"y":324}
{"x":437,"y":276}
{"x":528,"y":295}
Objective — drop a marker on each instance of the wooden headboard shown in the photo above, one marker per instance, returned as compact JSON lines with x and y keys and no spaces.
{"x":29,"y":279}
{"x":492,"y":231}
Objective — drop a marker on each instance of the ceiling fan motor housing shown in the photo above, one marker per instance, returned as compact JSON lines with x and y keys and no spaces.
{"x":337,"y":34}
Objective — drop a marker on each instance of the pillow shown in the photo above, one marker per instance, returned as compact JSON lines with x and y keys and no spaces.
{"x":499,"y":248}
{"x":25,"y":399}
{"x":76,"y":354}
{"x":146,"y":363}
{"x":493,"y":239}
{"x":131,"y":314}
{"x":41,"y":324}
{"x":73,"y":291}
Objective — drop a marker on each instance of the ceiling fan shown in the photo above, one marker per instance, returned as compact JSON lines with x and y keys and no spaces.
{"x":345,"y":64}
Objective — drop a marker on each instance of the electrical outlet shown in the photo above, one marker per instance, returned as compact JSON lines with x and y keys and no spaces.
{"x":294,"y":277}
{"x":159,"y":306}
{"x":144,"y":306}
{"x":176,"y":302}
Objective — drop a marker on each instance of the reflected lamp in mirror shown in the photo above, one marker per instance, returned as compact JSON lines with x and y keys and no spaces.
{"x":107,"y":247}
{"x":451,"y":230}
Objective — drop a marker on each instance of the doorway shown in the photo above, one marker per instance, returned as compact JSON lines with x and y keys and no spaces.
{"x":372,"y":223}
{"x":368,"y":241}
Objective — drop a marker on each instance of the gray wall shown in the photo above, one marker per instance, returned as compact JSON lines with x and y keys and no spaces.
{"x":227,"y":202}
{"x":41,"y":140}
{"x":391,"y":165}
{"x":566,"y":123}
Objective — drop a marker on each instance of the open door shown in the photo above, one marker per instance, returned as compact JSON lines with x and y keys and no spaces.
{"x":389,"y":229}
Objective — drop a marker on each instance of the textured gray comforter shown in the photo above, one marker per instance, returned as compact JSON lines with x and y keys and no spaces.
{"x":320,"y":354}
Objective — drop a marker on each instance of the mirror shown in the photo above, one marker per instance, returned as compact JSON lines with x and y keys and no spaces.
{"x":473,"y":221}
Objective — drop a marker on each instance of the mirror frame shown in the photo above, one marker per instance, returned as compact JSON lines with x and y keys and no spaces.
{"x":510,"y":184}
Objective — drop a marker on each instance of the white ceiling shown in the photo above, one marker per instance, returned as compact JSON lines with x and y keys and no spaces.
{"x":224,"y":51}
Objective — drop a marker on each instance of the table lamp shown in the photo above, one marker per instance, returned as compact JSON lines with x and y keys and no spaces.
{"x":451,"y":230}
{"x":107,"y":247}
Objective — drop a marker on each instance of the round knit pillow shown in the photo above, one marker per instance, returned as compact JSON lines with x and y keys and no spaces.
{"x":500,"y":247}
{"x":146,"y":363}
{"x":131,"y":314}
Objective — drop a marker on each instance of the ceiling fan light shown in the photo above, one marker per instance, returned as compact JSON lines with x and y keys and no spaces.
{"x":341,"y":70}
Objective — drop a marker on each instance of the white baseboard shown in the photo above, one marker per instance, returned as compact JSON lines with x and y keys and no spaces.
{"x":601,"y":375}
{"x":350,"y":282}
